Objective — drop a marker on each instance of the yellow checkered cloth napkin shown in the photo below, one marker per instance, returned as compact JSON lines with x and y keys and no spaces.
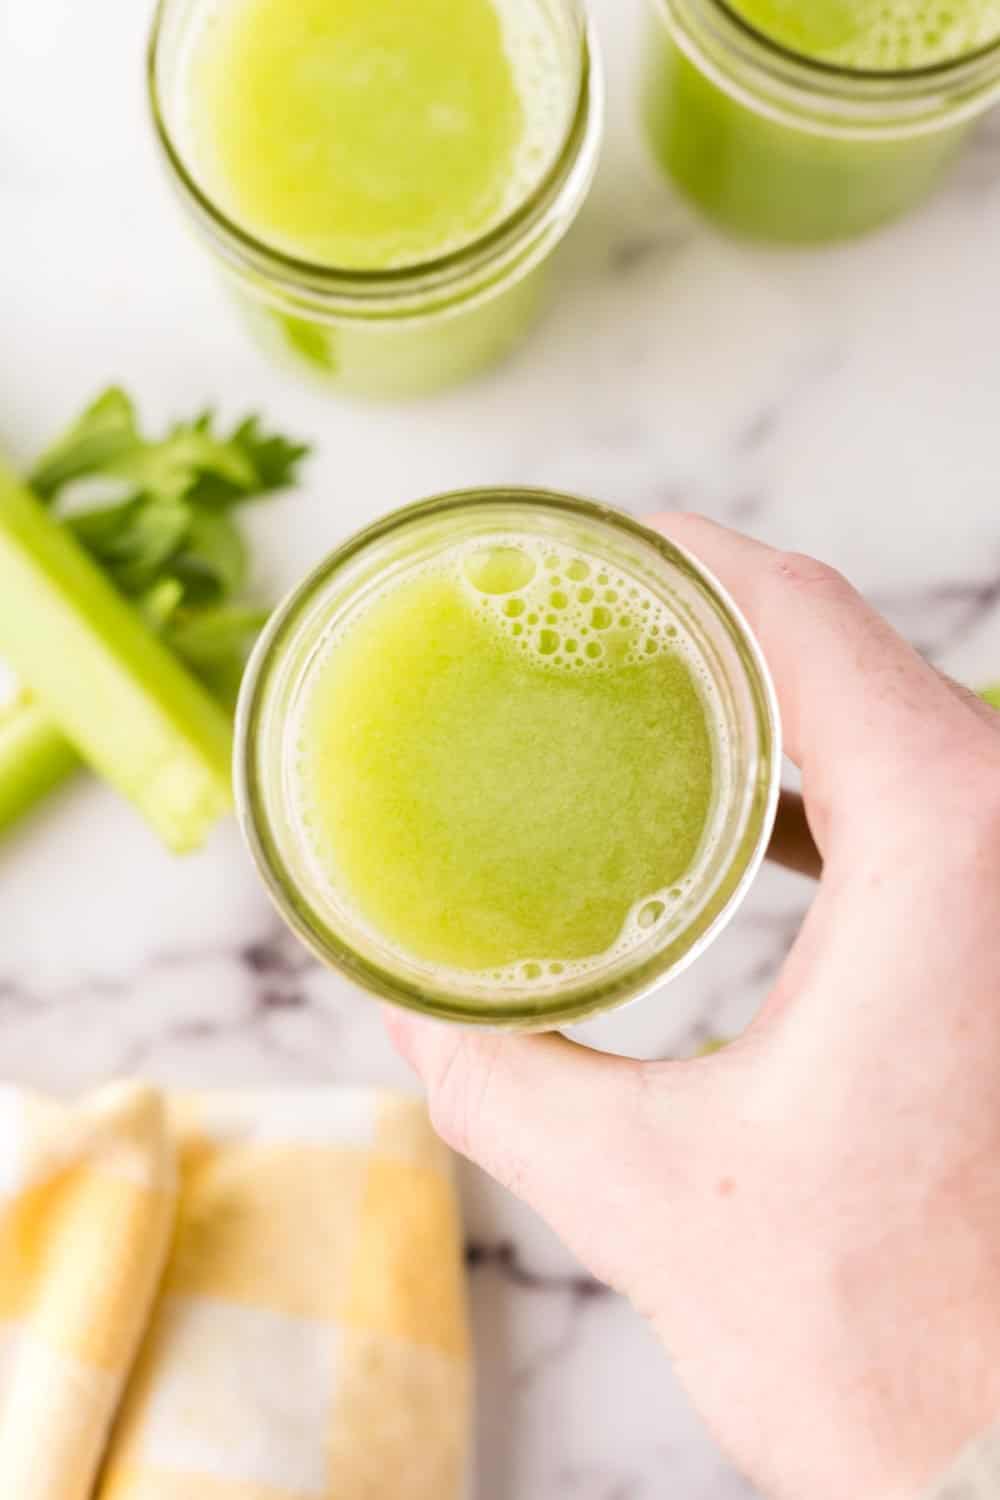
{"x":229,"y":1297}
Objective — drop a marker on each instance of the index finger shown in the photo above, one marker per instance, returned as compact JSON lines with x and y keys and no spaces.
{"x":857,"y":701}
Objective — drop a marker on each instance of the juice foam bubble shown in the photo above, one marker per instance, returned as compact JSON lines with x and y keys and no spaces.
{"x":545,"y":75}
{"x":560,"y":611}
{"x":920,"y":33}
{"x":564,"y":610}
{"x":878,"y":35}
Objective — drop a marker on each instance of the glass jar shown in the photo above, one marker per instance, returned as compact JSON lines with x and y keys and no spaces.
{"x":772,"y":145}
{"x":741,"y":709}
{"x":410,"y":329}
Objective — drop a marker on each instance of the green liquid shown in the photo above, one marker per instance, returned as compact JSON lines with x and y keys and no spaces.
{"x":507,"y":763}
{"x":770,"y":180}
{"x":879,"y":35}
{"x":373,"y":135}
{"x":366,"y":134}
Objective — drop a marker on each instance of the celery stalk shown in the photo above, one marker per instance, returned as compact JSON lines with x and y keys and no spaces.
{"x":124,"y":702}
{"x":34,"y":759}
{"x":992,"y":695}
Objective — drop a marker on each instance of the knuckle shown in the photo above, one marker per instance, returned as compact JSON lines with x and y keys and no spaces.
{"x":801,"y":571}
{"x":457,"y":1090}
{"x":467,"y":1110}
{"x":683,"y":516}
{"x":446,"y":1098}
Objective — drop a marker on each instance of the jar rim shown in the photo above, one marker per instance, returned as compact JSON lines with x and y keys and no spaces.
{"x":960,"y":85}
{"x":590,"y":995}
{"x":483,"y":259}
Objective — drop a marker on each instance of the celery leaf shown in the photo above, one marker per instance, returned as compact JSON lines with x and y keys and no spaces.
{"x":158,"y":511}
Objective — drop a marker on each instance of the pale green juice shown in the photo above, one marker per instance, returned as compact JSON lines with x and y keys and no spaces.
{"x":876,"y":35}
{"x":506,"y":761}
{"x":370,"y":134}
{"x":361,"y":138}
{"x":812,"y":173}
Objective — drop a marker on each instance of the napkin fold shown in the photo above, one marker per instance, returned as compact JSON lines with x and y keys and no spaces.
{"x":229,"y":1296}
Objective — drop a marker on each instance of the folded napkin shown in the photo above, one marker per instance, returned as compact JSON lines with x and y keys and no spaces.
{"x":229,"y":1297}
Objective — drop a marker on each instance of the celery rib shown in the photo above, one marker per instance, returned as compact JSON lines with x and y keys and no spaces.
{"x":34,"y":759}
{"x":116,"y":693}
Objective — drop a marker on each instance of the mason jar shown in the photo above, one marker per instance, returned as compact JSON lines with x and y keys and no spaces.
{"x":408,"y":329}
{"x":774,"y":145}
{"x":740,"y":709}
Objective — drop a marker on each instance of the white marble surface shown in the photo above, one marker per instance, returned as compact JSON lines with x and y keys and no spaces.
{"x":844,"y":402}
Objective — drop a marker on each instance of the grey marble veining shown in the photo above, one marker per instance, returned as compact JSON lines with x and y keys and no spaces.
{"x":843,"y":402}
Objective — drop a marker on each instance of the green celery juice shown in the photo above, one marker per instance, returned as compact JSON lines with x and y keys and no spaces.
{"x":371,"y":138}
{"x":506,"y":762}
{"x":879,"y":36}
{"x":856,"y":146}
{"x":375,"y":134}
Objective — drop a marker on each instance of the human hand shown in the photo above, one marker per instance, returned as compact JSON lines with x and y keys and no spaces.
{"x":811,"y":1218}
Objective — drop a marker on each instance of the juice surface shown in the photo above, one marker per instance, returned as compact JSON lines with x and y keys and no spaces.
{"x":506,"y":758}
{"x":880,"y":35}
{"x":369,"y":134}
{"x":769,"y":178}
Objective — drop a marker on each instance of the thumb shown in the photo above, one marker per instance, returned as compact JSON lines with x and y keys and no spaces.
{"x":565,"y":1128}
